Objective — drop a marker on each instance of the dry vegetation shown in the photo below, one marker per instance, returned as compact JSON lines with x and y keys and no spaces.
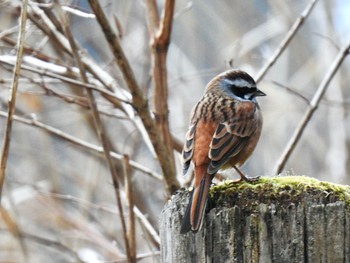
{"x":121,"y":77}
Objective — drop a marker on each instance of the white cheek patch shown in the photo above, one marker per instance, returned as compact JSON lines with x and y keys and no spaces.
{"x":240,"y":83}
{"x":249,"y":96}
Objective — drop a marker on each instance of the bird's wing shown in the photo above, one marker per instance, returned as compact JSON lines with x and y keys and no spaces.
{"x":187,"y":151}
{"x":232,"y":135}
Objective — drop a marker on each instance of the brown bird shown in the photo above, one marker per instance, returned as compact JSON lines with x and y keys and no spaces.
{"x":225,"y":127}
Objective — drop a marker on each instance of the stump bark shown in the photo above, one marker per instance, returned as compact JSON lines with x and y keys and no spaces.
{"x":281,"y":219}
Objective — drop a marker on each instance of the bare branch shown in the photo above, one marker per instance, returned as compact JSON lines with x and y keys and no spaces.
{"x":150,"y":229}
{"x":291,"y":33}
{"x":58,"y":72}
{"x":51,"y":243}
{"x":177,"y":144}
{"x":140,"y":216}
{"x":12,"y":100}
{"x":291,"y":91}
{"x":312,"y":108}
{"x":160,"y":39}
{"x":140,"y":103}
{"x":163,"y":35}
{"x":84,"y":144}
{"x":153,"y":16}
{"x":13,"y":228}
{"x":146,"y":127}
{"x":130,"y":203}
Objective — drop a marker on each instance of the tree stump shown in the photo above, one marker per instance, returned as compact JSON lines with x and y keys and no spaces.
{"x":278,"y":219}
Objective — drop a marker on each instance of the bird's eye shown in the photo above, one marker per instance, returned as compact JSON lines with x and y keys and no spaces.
{"x":242,"y":91}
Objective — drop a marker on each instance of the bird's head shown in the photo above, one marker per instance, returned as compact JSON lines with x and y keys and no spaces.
{"x":236,"y":84}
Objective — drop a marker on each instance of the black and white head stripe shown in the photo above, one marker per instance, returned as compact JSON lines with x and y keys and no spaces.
{"x":239,"y":84}
{"x":238,"y":75}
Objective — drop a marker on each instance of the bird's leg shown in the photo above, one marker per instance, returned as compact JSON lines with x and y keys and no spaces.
{"x":245,"y":178}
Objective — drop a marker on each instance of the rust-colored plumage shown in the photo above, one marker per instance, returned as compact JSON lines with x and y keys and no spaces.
{"x":224,"y":129}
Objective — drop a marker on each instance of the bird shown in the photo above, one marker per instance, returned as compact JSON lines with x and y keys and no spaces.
{"x":224,"y":129}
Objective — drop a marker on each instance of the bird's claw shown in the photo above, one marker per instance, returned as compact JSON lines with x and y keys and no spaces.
{"x":250,"y":179}
{"x":246,"y":179}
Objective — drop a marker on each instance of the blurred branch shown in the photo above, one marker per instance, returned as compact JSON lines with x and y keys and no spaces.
{"x":82,"y":143}
{"x":150,"y":231}
{"x":140,"y":216}
{"x":312,"y":108}
{"x":7,"y":32}
{"x":153,"y":16}
{"x":328,"y":39}
{"x":13,"y":228}
{"x":61,"y":73}
{"x":291,"y":33}
{"x":160,"y":32}
{"x":291,"y":91}
{"x":147,"y":225}
{"x":80,"y":101}
{"x":140,"y":103}
{"x":83,"y":229}
{"x":51,"y":244}
{"x":177,"y":144}
{"x":68,"y":98}
{"x":166,"y":22}
{"x":12,"y":100}
{"x":130,"y":204}
{"x":47,"y":23}
{"x":101,"y":131}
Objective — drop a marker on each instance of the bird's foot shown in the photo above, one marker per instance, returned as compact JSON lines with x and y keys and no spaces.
{"x":250,"y":179}
{"x":244,"y":177}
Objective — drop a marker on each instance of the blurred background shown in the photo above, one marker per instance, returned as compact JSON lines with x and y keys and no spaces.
{"x":58,"y":191}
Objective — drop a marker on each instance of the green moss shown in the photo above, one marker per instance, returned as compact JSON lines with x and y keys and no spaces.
{"x":280,"y":189}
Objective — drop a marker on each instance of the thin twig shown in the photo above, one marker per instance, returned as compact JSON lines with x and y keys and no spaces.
{"x":166,"y":22}
{"x":312,"y":108}
{"x":73,"y":99}
{"x":13,"y":228}
{"x":12,"y":225}
{"x":140,"y":216}
{"x":82,"y":143}
{"x":101,"y":131}
{"x":12,"y":100}
{"x":7,"y":60}
{"x":80,"y":101}
{"x":7,"y":32}
{"x":130,"y":204}
{"x":140,"y":103}
{"x":298,"y":94}
{"x":52,"y":244}
{"x":291,"y":33}
{"x":82,"y":228}
{"x":153,"y":16}
{"x":150,"y":229}
{"x":146,"y":128}
{"x":143,"y":122}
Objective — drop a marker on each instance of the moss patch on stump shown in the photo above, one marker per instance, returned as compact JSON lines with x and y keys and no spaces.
{"x":281,"y":190}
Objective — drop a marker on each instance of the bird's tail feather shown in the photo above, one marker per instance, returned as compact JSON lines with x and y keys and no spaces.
{"x":193,"y":218}
{"x":186,"y":221}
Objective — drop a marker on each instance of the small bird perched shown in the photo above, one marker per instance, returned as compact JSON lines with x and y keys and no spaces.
{"x":224,"y":129}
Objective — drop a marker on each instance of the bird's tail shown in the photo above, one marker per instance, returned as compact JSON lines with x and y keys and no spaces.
{"x":193,"y":217}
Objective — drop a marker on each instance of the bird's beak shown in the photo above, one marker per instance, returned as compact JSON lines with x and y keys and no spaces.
{"x":259,"y":93}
